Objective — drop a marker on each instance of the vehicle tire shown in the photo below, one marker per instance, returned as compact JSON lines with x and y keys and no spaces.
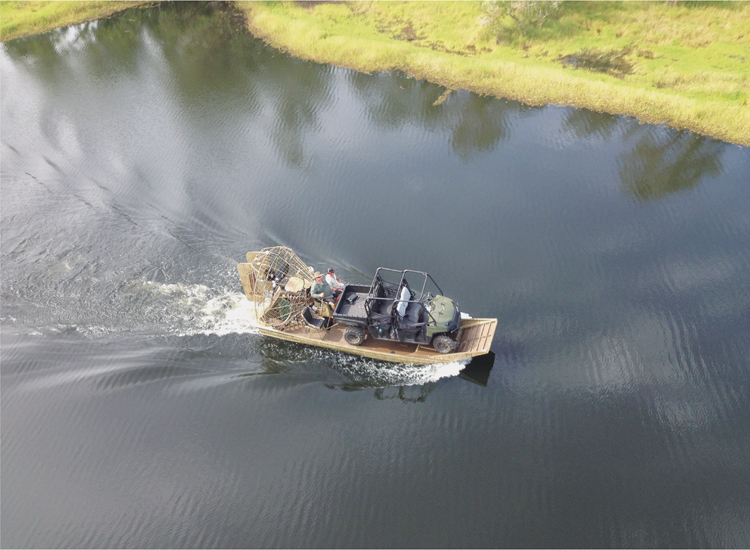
{"x":354,"y":336}
{"x":444,"y":344}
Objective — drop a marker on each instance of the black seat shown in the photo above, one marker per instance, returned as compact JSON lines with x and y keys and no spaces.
{"x":380,"y":315}
{"x":312,"y":321}
{"x":414,"y":321}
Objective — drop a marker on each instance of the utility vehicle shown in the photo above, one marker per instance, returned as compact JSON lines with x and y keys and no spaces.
{"x":403,"y":306}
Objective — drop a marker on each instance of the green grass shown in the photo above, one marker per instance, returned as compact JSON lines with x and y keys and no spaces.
{"x":686,"y":65}
{"x":24,"y":18}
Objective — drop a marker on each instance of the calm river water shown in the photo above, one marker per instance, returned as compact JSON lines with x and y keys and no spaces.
{"x":143,"y":155}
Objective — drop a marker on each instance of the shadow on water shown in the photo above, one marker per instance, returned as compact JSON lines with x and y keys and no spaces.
{"x":659,"y":161}
{"x":344,"y":372}
{"x":478,"y":370}
{"x":665,"y":161}
{"x":582,"y":124}
{"x":475,"y":124}
{"x":407,"y":394}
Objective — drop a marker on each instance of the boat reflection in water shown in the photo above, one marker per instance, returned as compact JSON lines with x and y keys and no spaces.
{"x":344,"y":372}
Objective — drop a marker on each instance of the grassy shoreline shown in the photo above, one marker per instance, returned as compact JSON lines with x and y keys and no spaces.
{"x":24,"y":18}
{"x":686,"y":66}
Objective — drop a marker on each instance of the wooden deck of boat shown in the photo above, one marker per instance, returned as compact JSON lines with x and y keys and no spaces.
{"x":475,"y":339}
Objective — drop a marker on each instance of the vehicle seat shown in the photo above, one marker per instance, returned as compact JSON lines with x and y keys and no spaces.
{"x":312,"y":321}
{"x":380,"y":315}
{"x":414,"y":322}
{"x":378,"y":304}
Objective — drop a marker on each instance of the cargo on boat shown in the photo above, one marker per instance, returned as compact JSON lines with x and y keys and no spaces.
{"x":402,"y":316}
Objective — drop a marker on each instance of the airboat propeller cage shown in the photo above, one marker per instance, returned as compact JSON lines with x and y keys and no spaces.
{"x":264,"y":272}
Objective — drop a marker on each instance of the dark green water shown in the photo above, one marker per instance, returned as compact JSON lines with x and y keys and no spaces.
{"x":143,"y":155}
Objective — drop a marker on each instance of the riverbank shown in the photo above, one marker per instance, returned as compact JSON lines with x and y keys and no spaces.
{"x":24,"y":18}
{"x":683,"y":65}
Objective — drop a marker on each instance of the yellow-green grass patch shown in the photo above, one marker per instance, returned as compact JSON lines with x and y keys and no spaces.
{"x":24,"y":18}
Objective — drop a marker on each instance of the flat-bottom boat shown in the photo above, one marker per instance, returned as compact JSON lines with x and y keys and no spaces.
{"x":401,"y":317}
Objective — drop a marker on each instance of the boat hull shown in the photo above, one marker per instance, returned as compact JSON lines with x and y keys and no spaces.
{"x":475,"y":338}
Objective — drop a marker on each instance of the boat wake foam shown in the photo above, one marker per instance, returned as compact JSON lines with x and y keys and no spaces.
{"x":197,"y":309}
{"x":369,"y":372}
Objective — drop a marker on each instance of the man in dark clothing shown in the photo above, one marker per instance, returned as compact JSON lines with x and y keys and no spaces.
{"x":320,"y":290}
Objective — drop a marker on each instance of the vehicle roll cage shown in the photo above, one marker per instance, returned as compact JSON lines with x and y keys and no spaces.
{"x":402,"y":281}
{"x":394,"y":291}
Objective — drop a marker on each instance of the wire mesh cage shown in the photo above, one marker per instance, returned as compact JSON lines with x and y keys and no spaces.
{"x":278,"y":283}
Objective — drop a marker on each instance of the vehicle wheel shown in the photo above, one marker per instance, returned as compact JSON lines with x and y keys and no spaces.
{"x":444,"y":344}
{"x":354,"y":336}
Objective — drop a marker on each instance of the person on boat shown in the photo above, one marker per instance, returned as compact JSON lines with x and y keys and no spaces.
{"x":321,"y":290}
{"x":334,"y":282}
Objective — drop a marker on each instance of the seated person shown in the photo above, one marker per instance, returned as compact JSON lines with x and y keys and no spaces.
{"x":336,"y":284}
{"x":321,"y":290}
